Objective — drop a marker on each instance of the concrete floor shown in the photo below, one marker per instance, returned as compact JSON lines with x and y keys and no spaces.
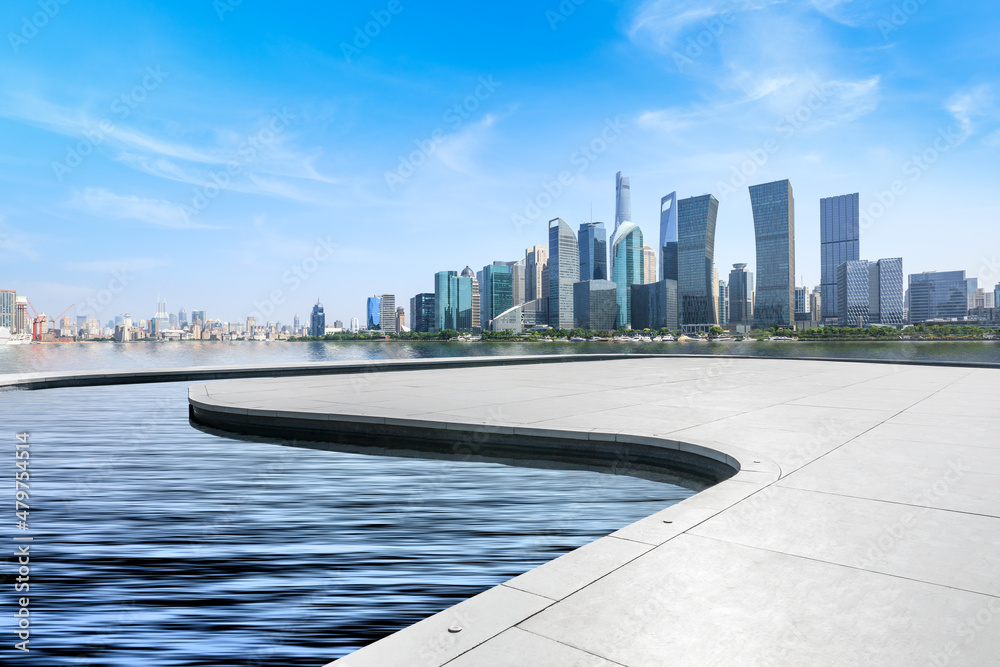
{"x":863,"y":526}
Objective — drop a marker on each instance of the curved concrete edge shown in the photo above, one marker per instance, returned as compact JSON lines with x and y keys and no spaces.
{"x":689,"y":464}
{"x":723,"y":475}
{"x":55,"y":380}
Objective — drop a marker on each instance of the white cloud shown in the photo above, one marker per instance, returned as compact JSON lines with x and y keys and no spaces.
{"x":966,"y":106}
{"x":100,"y":202}
{"x":130,"y":265}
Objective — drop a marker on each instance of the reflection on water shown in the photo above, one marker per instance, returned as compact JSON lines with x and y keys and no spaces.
{"x":92,"y":356}
{"x":156,"y":544}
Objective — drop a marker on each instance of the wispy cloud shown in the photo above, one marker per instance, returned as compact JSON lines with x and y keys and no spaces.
{"x":130,"y":265}
{"x":965,"y":106}
{"x":15,"y":242}
{"x":103,"y":203}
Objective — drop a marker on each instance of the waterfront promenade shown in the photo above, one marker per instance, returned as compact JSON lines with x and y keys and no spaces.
{"x":858,"y":520}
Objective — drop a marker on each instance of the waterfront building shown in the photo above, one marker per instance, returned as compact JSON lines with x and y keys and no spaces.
{"x":741,"y":296}
{"x":626,"y":269}
{"x":595,"y":305}
{"x":400,"y":320}
{"x":982,"y":298}
{"x":668,"y":237}
{"x":816,"y":304}
{"x":840,"y":241}
{"x":453,"y":302}
{"x":870,"y":293}
{"x":802,"y":301}
{"x":518,"y":272}
{"x":523,"y":316}
{"x":497,"y":291}
{"x":623,"y":201}
{"x":697,"y":291}
{"x":355,"y":325}
{"x":22,"y":323}
{"x":654,"y":306}
{"x":387,"y":316}
{"x":723,"y":302}
{"x":648,"y":265}
{"x":8,"y":314}
{"x":536,"y":283}
{"x":971,"y":284}
{"x":564,"y":270}
{"x":593,"y":242}
{"x":182,"y":318}
{"x":996,"y":296}
{"x":199,"y":317}
{"x":938,"y":296}
{"x":774,"y":228}
{"x":317,"y":320}
{"x":373,"y":314}
{"x":422,"y":313}
{"x":296,"y":325}
{"x":477,"y":296}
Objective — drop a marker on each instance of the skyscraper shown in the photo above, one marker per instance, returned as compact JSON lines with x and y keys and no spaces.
{"x":654,"y":305}
{"x":740,"y":296}
{"x":477,"y":298}
{"x":388,"y":313}
{"x":182,"y":318}
{"x":623,"y":201}
{"x":400,"y":319}
{"x":422,"y":313}
{"x":870,"y":292}
{"x":996,"y":296}
{"x":317,"y":321}
{"x":295,"y":325}
{"x":595,"y":305}
{"x":648,"y":265}
{"x":668,"y":237}
{"x":593,"y":242}
{"x":517,"y":276}
{"x":697,"y":291}
{"x":453,"y":302}
{"x":801,"y":299}
{"x":373,"y":314}
{"x":723,"y":302}
{"x":774,"y":226}
{"x":564,"y":270}
{"x":8,"y":299}
{"x":840,"y":234}
{"x":936,"y":296}
{"x":535,"y":282}
{"x":497,"y":291}
{"x":626,"y":268}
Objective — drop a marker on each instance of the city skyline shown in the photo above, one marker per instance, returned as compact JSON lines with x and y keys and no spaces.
{"x":470,"y":172}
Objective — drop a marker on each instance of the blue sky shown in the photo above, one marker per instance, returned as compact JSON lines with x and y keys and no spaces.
{"x":249,"y":157}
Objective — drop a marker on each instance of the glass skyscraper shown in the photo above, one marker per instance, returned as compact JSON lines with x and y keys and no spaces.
{"x":317,"y":321}
{"x":740,"y":296}
{"x":496,"y":291}
{"x":723,"y":302}
{"x":936,"y":296}
{"x":870,"y":292}
{"x":595,"y":305}
{"x":774,"y":227}
{"x":626,"y":268}
{"x":654,"y":306}
{"x":668,"y":237}
{"x":422,"y":313}
{"x":453,"y":302}
{"x":696,"y":218}
{"x":564,"y":270}
{"x":840,"y":234}
{"x":593,"y":240}
{"x":623,"y":201}
{"x":373,"y":311}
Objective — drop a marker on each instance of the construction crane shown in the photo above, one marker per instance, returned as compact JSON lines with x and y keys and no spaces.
{"x":41,"y":321}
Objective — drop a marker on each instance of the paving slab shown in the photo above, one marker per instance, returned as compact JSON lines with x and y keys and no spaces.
{"x":852,"y":514}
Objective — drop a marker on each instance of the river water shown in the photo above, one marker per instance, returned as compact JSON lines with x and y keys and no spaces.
{"x":158,"y":544}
